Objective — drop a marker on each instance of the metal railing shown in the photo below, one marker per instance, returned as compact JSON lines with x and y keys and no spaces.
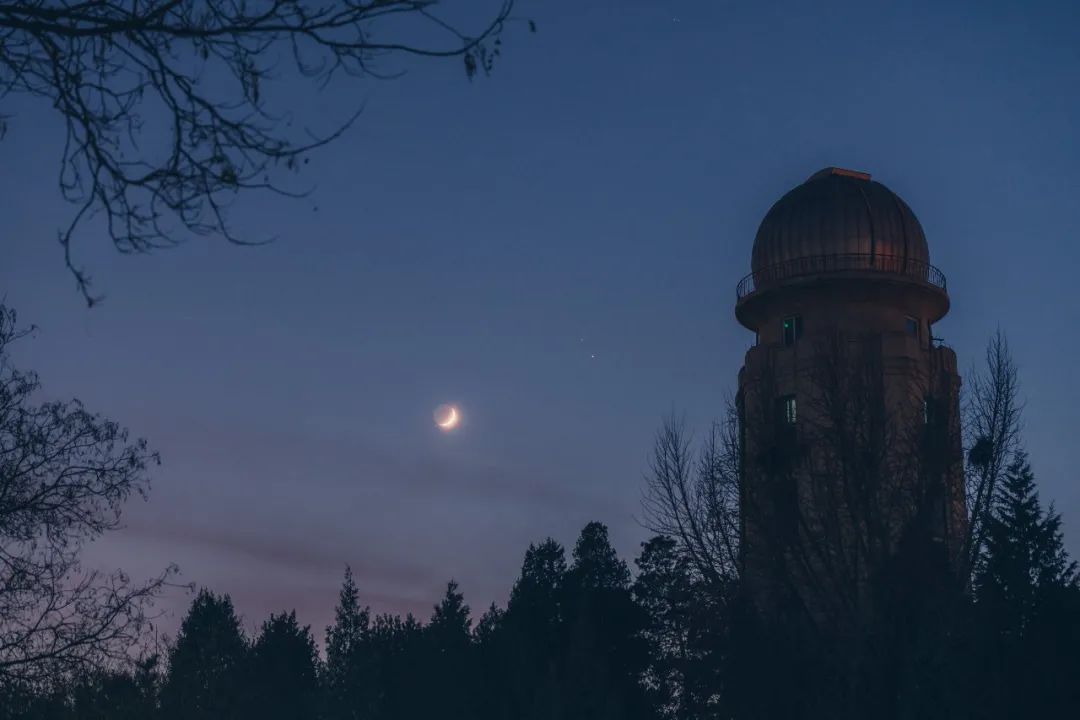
{"x":849,"y":262}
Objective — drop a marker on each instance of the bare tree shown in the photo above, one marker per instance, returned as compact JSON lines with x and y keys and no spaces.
{"x":165,"y":105}
{"x":992,"y":425}
{"x":64,"y":476}
{"x":692,"y":495}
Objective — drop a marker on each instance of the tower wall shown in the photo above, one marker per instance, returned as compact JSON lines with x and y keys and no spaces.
{"x":850,"y":419}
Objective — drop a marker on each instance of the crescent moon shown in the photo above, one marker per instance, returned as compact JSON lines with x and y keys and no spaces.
{"x":450,"y":421}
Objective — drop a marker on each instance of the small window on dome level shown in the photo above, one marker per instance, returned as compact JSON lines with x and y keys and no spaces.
{"x":911,"y":326}
{"x":792,"y":329}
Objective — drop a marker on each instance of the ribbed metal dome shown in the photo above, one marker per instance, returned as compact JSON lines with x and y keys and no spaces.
{"x":842,"y":214}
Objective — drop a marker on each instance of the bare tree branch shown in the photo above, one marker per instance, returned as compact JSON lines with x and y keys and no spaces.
{"x":164,"y":102}
{"x":694,"y":497}
{"x":992,"y":424}
{"x":64,"y":476}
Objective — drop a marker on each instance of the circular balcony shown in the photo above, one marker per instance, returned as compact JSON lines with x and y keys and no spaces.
{"x":838,"y":265}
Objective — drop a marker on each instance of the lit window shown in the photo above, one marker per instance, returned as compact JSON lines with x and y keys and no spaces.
{"x":911,"y":325}
{"x":788,"y":409}
{"x":792,"y":329}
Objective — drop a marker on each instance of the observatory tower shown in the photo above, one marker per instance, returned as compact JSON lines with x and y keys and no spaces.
{"x":848,"y":404}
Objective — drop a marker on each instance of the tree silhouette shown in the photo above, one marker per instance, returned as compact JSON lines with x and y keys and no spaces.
{"x":283,"y":678}
{"x":398,"y":645}
{"x":586,"y":642}
{"x":448,"y":658}
{"x":65,"y":474}
{"x":167,"y":103}
{"x":207,"y":663}
{"x":685,"y":631}
{"x":534,"y":623}
{"x":1027,"y":602}
{"x":116,"y":695}
{"x":993,"y":416}
{"x":351,"y":677}
{"x":604,"y":655}
{"x":694,"y":497}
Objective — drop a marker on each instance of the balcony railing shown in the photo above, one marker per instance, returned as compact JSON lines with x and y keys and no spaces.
{"x":850,"y":262}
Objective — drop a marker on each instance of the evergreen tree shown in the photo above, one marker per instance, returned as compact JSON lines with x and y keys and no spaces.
{"x":448,"y":658}
{"x":490,"y":624}
{"x":398,"y":652}
{"x":529,"y":648}
{"x":283,"y":671}
{"x":684,"y":631}
{"x":536,"y":596}
{"x":597,"y":566}
{"x":1025,"y":560}
{"x":604,"y":656}
{"x":1027,"y":603}
{"x":489,"y":639}
{"x":118,"y":695}
{"x":206,"y":663}
{"x":352,"y":682}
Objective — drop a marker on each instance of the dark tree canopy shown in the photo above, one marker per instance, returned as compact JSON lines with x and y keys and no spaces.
{"x":283,"y":672}
{"x":1027,"y":603}
{"x":206,"y":663}
{"x":166,"y":102}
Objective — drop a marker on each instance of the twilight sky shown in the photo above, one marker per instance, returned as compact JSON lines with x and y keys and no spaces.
{"x":479,"y":243}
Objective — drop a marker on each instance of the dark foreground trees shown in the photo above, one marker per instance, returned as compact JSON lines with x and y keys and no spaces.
{"x":581,"y":638}
{"x":169,"y":107}
{"x":1027,"y":605}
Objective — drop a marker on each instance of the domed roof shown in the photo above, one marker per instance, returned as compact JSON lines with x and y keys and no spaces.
{"x":842,"y":215}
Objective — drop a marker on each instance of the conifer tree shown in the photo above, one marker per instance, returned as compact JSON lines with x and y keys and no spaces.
{"x":284,"y":671}
{"x":604,"y":655}
{"x":1027,"y":603}
{"x":398,"y":652}
{"x":351,"y":678}
{"x":1025,"y":562}
{"x":110,"y":695}
{"x":448,"y":657}
{"x":520,"y":657}
{"x":684,"y":631}
{"x":206,"y":663}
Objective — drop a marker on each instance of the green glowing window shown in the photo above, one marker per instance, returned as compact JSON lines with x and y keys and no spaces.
{"x":792,"y":329}
{"x":788,"y":409}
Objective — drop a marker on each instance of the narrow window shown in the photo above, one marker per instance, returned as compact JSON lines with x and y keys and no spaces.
{"x":792,"y":329}
{"x":788,"y":413}
{"x":911,"y":325}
